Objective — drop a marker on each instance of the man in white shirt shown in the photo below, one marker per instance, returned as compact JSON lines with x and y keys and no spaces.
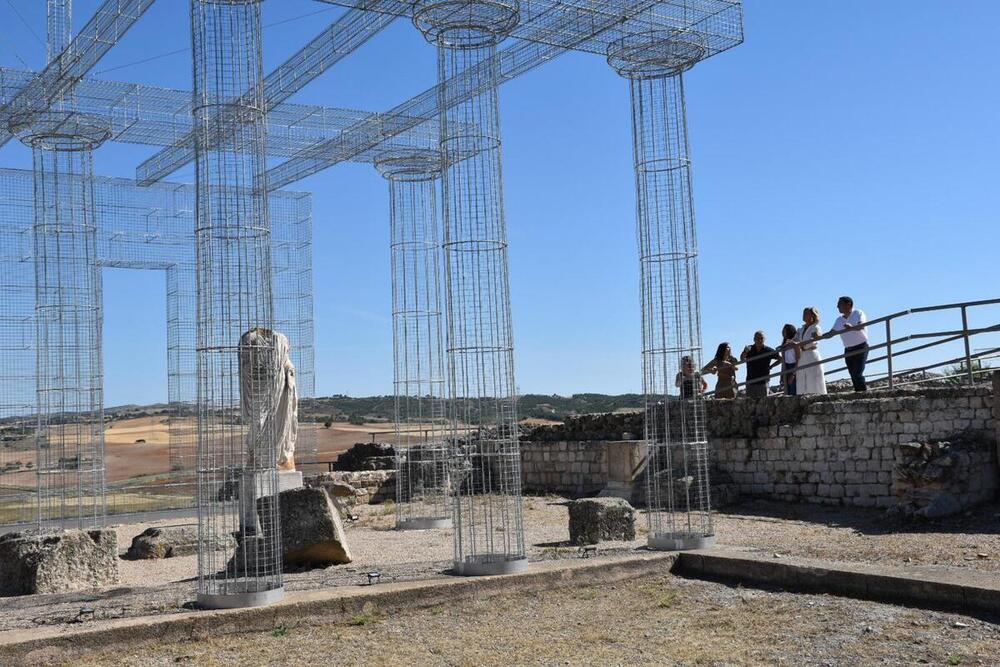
{"x":854,"y":336}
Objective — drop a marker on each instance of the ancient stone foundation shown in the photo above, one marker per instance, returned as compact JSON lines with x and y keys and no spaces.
{"x":840,"y":449}
{"x":574,"y":468}
{"x":849,"y":449}
{"x":930,"y":452}
{"x":371,"y":486}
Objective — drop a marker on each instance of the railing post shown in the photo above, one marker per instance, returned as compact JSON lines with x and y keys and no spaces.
{"x":888,"y":350}
{"x":968,"y":349}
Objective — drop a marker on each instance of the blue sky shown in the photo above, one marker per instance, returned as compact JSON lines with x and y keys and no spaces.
{"x":849,"y":146}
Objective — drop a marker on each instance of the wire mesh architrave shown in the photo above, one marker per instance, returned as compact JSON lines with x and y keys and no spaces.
{"x":677,"y":483}
{"x":485,"y":457}
{"x":423,"y":490}
{"x":237,"y":457}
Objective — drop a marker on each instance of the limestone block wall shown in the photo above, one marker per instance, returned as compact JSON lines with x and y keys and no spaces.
{"x":574,"y":468}
{"x":844,"y":449}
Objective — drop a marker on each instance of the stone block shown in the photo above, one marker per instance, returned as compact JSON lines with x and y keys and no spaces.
{"x":592,"y":520}
{"x":173,"y":541}
{"x":311,"y":531}
{"x":63,"y":562}
{"x":346,"y":493}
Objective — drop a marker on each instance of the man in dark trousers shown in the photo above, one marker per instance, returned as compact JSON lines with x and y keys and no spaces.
{"x":854,"y":336}
{"x":760,"y":359}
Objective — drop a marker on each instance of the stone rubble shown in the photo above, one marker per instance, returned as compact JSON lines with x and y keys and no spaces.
{"x":63,"y":562}
{"x":939,"y":479}
{"x":172,"y":542}
{"x":592,"y":520}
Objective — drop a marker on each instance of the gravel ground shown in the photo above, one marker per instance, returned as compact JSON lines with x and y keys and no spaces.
{"x":971,"y":540}
{"x":166,"y":586}
{"x":661,"y":620}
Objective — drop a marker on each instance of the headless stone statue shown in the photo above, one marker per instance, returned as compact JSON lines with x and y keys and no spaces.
{"x":269,"y":399}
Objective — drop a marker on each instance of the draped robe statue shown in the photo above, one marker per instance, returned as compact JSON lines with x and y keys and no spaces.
{"x":268,"y":398}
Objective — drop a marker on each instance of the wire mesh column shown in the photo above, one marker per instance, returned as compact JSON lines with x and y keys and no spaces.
{"x":69,"y":438}
{"x":422,"y":486}
{"x":237,"y":457}
{"x":677,"y":489}
{"x":486,"y":465}
{"x":70,"y":433}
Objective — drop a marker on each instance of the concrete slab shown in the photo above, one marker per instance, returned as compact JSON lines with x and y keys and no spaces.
{"x":949,"y":588}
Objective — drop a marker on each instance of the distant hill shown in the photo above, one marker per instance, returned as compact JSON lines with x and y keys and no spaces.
{"x":380,"y":408}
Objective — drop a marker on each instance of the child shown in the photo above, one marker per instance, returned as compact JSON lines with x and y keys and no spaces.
{"x":789,"y":357}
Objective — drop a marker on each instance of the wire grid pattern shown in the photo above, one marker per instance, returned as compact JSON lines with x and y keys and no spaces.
{"x":580,"y":25}
{"x":547,"y":29}
{"x":422,"y":486}
{"x":677,"y":464}
{"x":486,"y":463}
{"x":111,"y":20}
{"x":237,"y":457}
{"x":18,"y":362}
{"x":351,"y":30}
{"x":141,"y":228}
{"x":154,"y":116}
{"x":68,"y":318}
{"x":292,"y":294}
{"x":58,"y":27}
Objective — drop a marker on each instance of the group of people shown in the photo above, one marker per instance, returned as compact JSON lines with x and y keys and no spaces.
{"x":801,"y":363}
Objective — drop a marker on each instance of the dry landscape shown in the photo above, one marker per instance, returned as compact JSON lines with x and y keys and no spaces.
{"x":659,"y":620}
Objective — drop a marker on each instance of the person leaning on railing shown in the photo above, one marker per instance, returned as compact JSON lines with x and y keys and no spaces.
{"x":851,"y":327}
{"x":810,"y":377}
{"x":689,"y":381}
{"x":789,"y":357}
{"x":724,"y":366}
{"x":760,"y":359}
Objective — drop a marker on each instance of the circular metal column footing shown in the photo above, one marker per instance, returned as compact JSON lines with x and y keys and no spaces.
{"x":240,"y":600}
{"x":423,"y":523}
{"x":487,"y":565}
{"x":679,"y":541}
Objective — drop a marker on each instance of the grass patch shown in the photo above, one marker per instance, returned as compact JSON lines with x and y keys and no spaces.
{"x":666,"y":600}
{"x":362,"y":620}
{"x":586,"y":594}
{"x":279,"y":631}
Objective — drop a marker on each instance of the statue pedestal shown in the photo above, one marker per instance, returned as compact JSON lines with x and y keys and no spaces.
{"x":289,"y":479}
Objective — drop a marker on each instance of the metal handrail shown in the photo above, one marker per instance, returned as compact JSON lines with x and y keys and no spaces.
{"x":965,"y":334}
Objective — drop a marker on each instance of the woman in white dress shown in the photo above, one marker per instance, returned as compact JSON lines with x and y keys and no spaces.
{"x":809,"y":380}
